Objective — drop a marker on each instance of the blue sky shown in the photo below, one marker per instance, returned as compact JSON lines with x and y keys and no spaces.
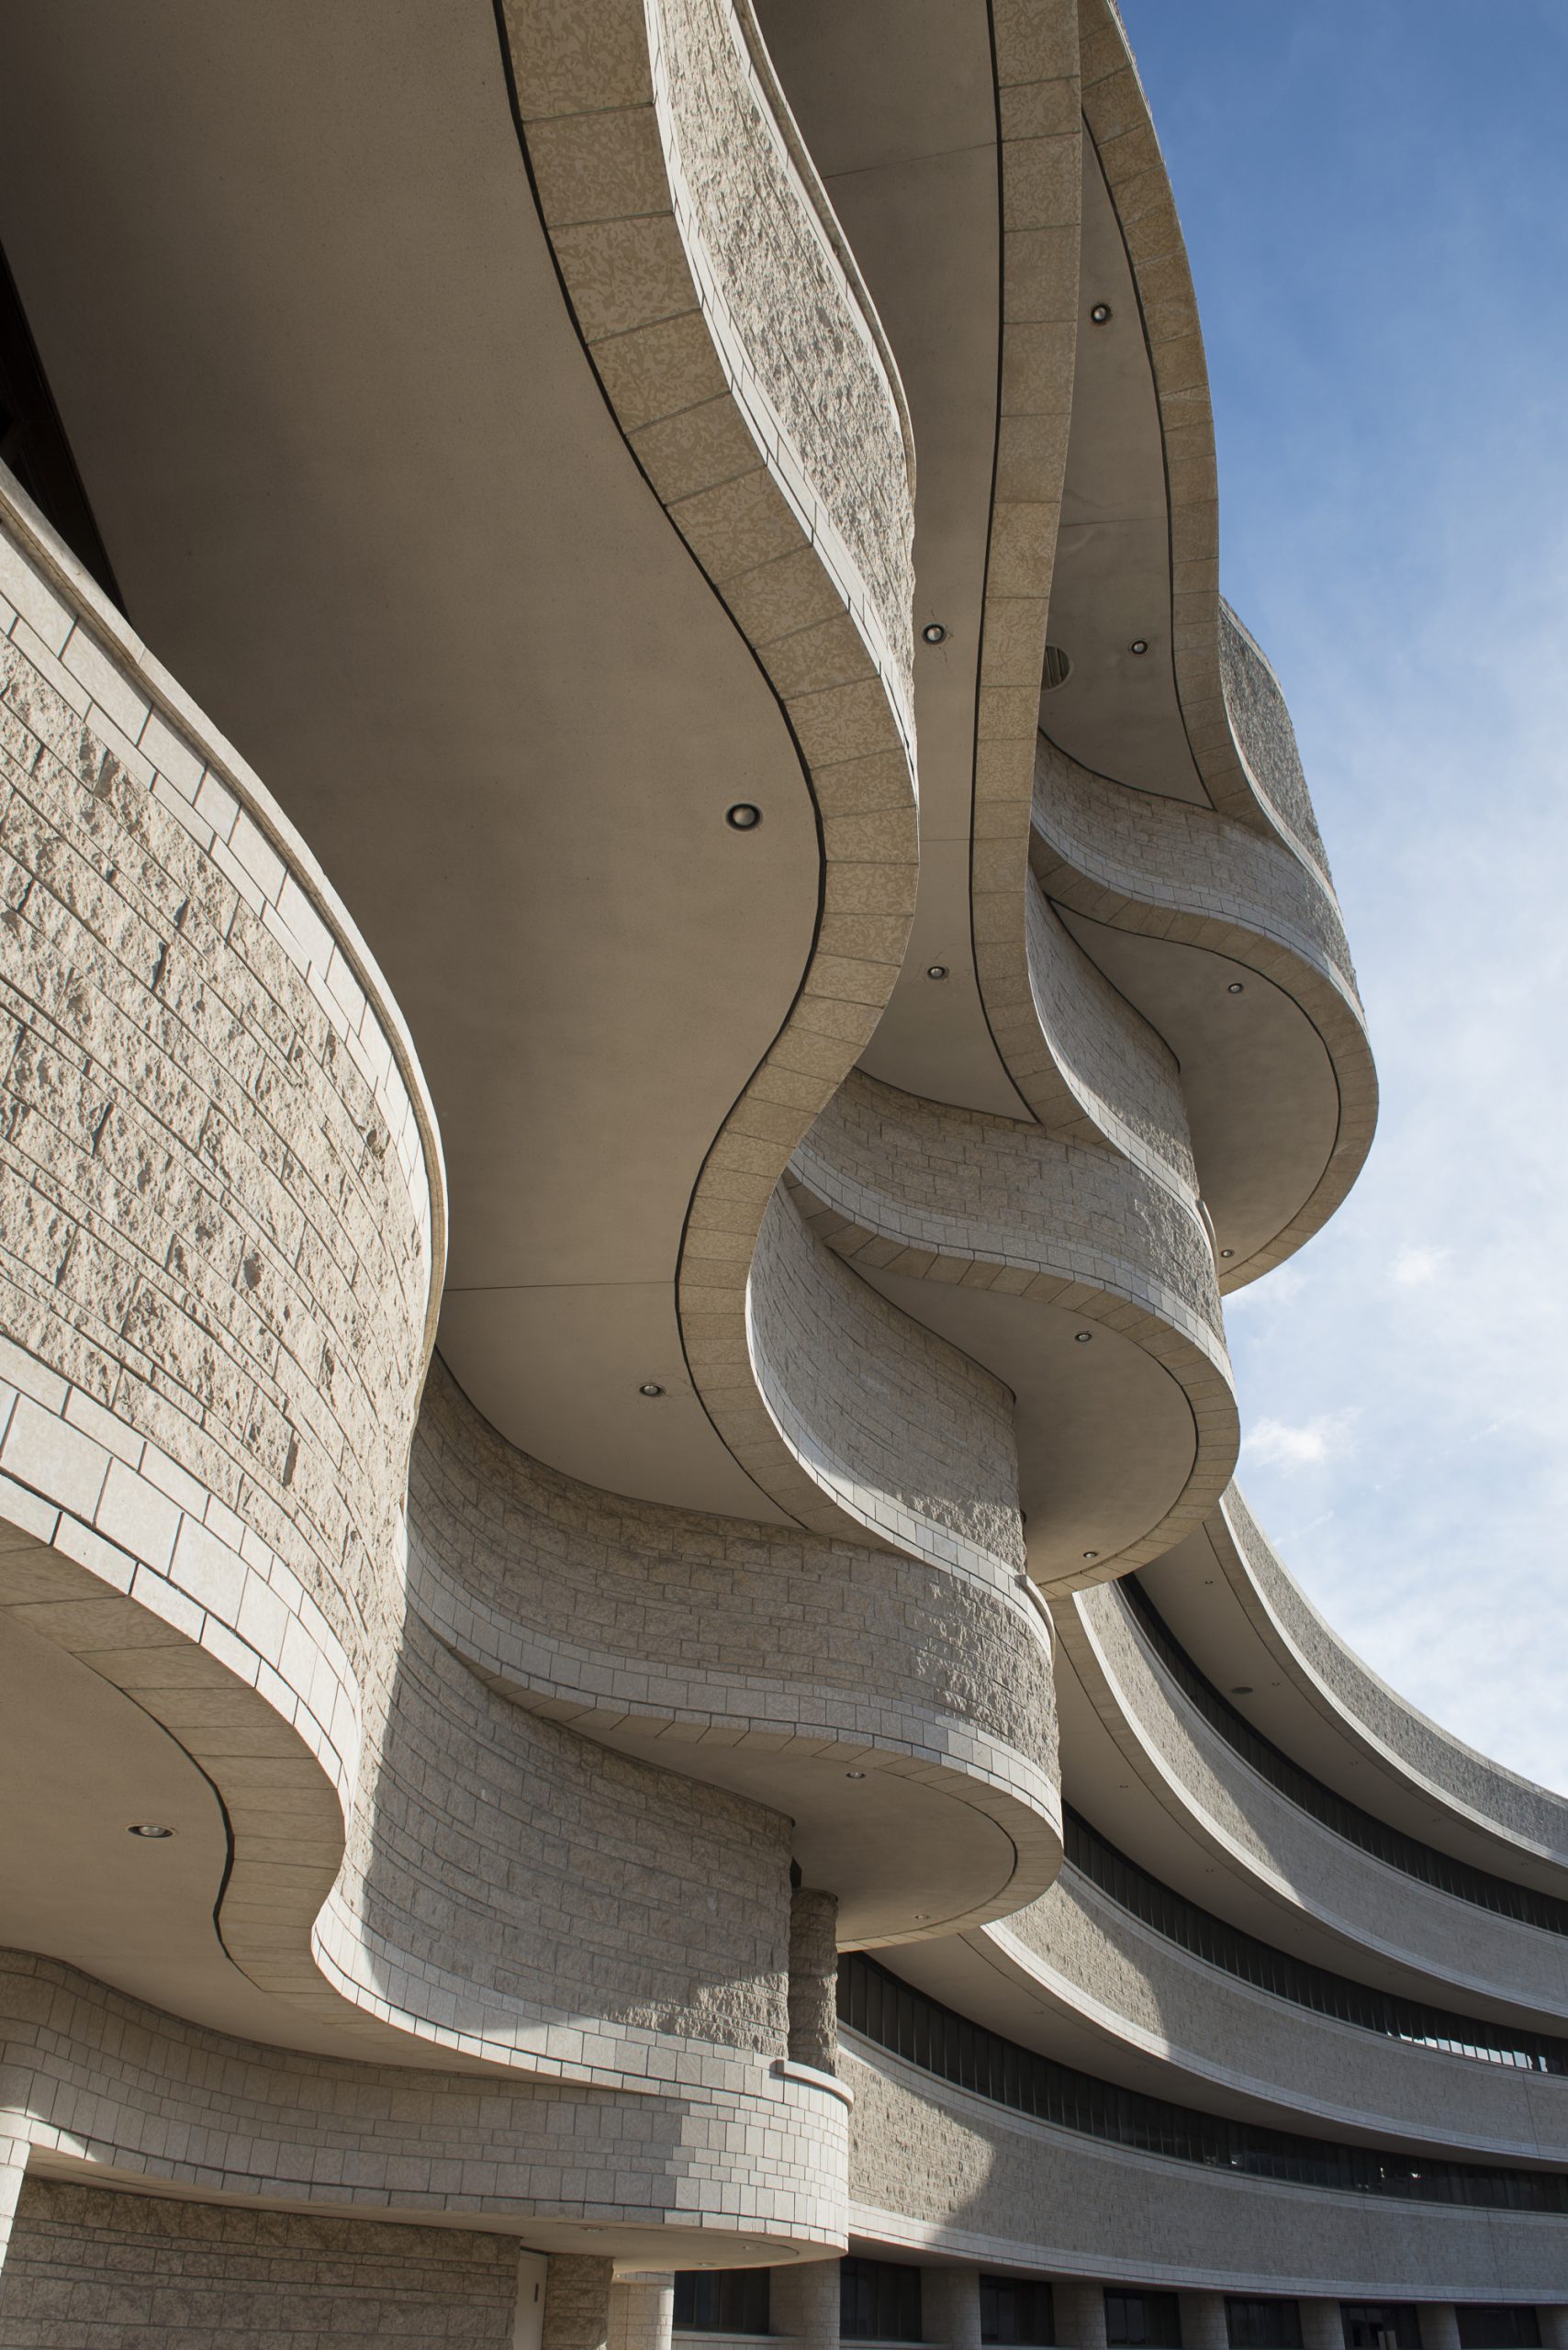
{"x":1375,"y":200}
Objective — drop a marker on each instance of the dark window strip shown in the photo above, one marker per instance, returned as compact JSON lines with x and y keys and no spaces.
{"x":1221,"y":1944}
{"x":1335,"y":1811}
{"x":897,"y":2017}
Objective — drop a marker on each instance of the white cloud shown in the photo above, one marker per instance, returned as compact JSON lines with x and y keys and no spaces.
{"x":1307,"y":1444}
{"x":1415,"y":1267}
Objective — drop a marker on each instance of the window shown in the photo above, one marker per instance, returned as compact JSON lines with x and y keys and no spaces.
{"x":1380,"y":2325}
{"x":721,"y":2300}
{"x":1016,"y":2308}
{"x":1143,"y":2319}
{"x":879,"y":2301}
{"x":1502,"y":2325}
{"x":1263,"y":2326}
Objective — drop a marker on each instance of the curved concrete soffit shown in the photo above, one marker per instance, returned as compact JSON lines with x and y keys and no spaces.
{"x":1158,"y":868}
{"x":1530,"y":1818}
{"x":1234,"y":713}
{"x":700,"y":256}
{"x":1034,"y":1221}
{"x":223,"y":1214}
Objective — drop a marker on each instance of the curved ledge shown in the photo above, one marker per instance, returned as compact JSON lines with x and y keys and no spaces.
{"x":1525,"y":1817}
{"x":1154,"y":867}
{"x":938,"y":2169}
{"x":1117,"y":1998}
{"x":1360,"y":1905}
{"x":689,"y":234}
{"x":761,"y":1661}
{"x":118,"y":2092}
{"x":941,"y":1200}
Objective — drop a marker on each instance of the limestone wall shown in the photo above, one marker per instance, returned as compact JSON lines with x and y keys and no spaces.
{"x":104,"y":2271}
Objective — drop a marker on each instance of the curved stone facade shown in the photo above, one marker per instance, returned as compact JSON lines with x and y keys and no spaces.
{"x":521,"y":1740}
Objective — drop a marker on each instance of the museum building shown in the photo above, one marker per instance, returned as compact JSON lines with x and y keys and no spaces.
{"x":662,"y":953}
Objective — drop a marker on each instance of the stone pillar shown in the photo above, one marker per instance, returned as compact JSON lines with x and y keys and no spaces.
{"x":642,"y":2309}
{"x":803,"y":2303}
{"x":1080,"y":2316}
{"x":1322,"y":2326}
{"x":1553,"y":2316}
{"x":950,"y":2308}
{"x":1439,"y":2326}
{"x":813,"y":1979}
{"x":576,"y":2303}
{"x":1204,"y":2324}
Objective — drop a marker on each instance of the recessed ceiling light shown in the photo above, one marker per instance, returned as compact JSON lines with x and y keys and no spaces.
{"x":936,"y":970}
{"x":145,"y":1827}
{"x":1227,"y":1252}
{"x":1101,"y":313}
{"x":1083,"y":1337}
{"x":1236,"y":987}
{"x":1242,"y":1689}
{"x":934,"y":633}
{"x":1091,"y":1554}
{"x":743,"y":817}
{"x":650,"y":1387}
{"x":1139,"y":644}
{"x":854,"y":1775}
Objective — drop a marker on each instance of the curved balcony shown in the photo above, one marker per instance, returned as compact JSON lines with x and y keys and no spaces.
{"x":225,"y":1233}
{"x":1095,"y":1985}
{"x":1015,"y":1244}
{"x":1345,"y":1903}
{"x":772,"y":1664}
{"x":1528,"y":1822}
{"x":940,"y":2169}
{"x":1231,"y":946}
{"x":122,"y":2093}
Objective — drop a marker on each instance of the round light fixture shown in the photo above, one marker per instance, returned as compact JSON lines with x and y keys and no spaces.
{"x":1227,"y":1252}
{"x":854,"y":1775}
{"x":743,"y":817}
{"x":650,"y":1387}
{"x":1139,"y":644}
{"x":1083,"y":1337}
{"x":934,"y":633}
{"x":1091,"y":1554}
{"x":145,"y":1827}
{"x":936,"y":970}
{"x":1236,"y":987}
{"x":1100,"y":313}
